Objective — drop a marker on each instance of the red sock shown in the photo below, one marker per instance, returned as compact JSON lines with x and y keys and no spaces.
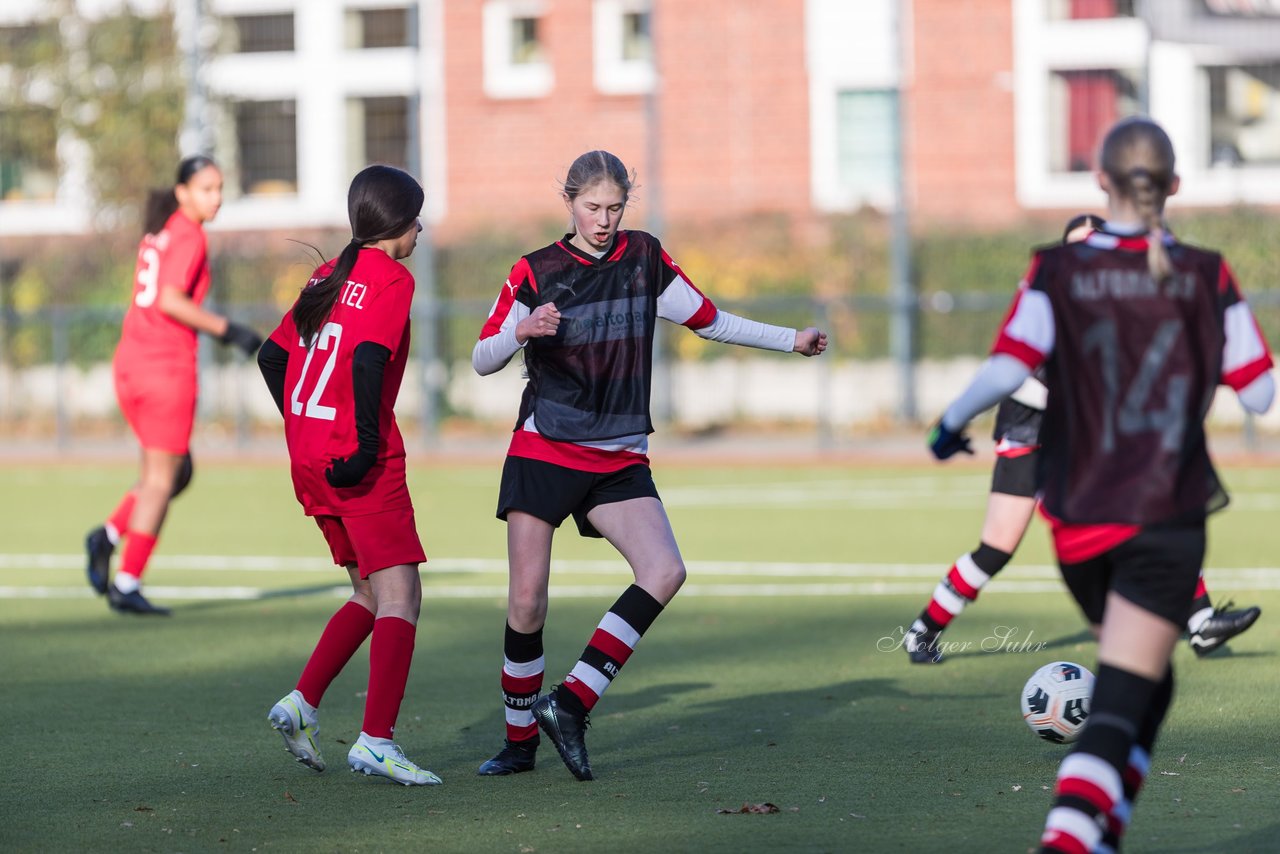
{"x":390,"y":655}
{"x":119,"y":519}
{"x":346,"y":630}
{"x":137,"y":551}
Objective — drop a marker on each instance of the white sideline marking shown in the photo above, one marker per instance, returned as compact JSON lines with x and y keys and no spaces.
{"x":874,"y":579}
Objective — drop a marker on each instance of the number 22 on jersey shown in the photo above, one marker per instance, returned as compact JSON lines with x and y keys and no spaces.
{"x":326,"y":341}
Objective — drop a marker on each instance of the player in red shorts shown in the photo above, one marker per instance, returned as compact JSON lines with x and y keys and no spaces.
{"x":334,"y":367}
{"x":583,"y":312}
{"x":155,"y":373}
{"x":1135,"y":331}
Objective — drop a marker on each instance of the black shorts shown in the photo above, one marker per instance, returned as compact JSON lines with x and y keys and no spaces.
{"x":1015,"y":475}
{"x":1017,"y":422}
{"x":1157,"y":570}
{"x":553,"y":493}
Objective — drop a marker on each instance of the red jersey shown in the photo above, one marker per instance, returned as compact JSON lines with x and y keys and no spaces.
{"x":319,"y":406}
{"x":151,"y":341}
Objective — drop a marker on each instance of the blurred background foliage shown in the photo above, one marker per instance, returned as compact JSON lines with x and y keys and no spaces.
{"x":834,"y":272}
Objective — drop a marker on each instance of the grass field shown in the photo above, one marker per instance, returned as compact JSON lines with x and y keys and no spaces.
{"x":774,"y":677}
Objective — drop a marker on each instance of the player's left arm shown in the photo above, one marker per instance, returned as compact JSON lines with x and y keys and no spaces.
{"x":368,"y":366}
{"x":679,"y":301}
{"x":1246,"y":358}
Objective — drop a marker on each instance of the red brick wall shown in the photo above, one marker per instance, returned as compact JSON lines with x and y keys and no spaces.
{"x":734,"y":116}
{"x":960,"y":113}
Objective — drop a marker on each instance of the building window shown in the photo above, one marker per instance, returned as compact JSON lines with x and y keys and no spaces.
{"x":259,"y":33}
{"x":623,"y":46}
{"x":28,"y":154}
{"x":515,"y":61}
{"x":375,"y":28}
{"x":1244,"y":115}
{"x":867,"y":146}
{"x":1082,"y":107}
{"x":267,"y":145}
{"x":378,"y":132}
{"x":1080,"y":10}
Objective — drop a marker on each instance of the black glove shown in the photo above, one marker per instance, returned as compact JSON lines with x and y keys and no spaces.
{"x":241,"y":336}
{"x":351,"y":471}
{"x":945,"y":444}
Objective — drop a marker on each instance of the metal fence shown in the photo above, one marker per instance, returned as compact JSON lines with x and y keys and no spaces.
{"x":55,"y":379}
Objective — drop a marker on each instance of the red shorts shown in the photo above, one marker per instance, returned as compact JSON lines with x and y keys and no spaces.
{"x":160,"y":412}
{"x":373,"y":542}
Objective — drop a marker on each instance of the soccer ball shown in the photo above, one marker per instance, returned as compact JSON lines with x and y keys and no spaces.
{"x":1055,"y":701}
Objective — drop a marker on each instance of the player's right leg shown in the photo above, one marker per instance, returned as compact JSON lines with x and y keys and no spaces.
{"x":397,"y":590}
{"x":1209,"y":628}
{"x":1148,"y":579}
{"x":295,"y":716}
{"x":1007,"y":519}
{"x":155,"y":485}
{"x":100,"y":543}
{"x":523,"y":663}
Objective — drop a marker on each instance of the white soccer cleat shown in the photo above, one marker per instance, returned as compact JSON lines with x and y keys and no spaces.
{"x":299,"y":731}
{"x":373,"y":756}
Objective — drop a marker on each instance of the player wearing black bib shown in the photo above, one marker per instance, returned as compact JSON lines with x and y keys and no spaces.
{"x":1135,"y":332}
{"x":1010,"y":506}
{"x":583,"y":311}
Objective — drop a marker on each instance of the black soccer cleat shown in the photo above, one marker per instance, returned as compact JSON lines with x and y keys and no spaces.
{"x":133,"y":603}
{"x":1221,"y":627}
{"x":100,"y":549}
{"x":515,"y":757}
{"x":566,"y":731}
{"x":922,"y":647}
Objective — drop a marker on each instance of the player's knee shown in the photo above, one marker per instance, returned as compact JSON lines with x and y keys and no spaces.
{"x":182,"y":479}
{"x":663,"y":580}
{"x":528,"y":612}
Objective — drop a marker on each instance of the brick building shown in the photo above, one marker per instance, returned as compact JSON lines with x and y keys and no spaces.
{"x":725,"y":108}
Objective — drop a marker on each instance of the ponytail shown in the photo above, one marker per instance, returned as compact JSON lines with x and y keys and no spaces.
{"x":1149,"y":196}
{"x":1137,"y":156}
{"x":161,"y":204}
{"x":383,"y":202}
{"x":316,"y":301}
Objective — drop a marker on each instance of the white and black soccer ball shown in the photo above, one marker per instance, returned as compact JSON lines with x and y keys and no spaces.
{"x":1055,"y":701}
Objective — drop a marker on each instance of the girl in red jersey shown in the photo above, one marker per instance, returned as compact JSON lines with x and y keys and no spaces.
{"x":1010,"y":506}
{"x":334,"y":367}
{"x":155,"y":373}
{"x":1135,"y":331}
{"x":583,"y":311}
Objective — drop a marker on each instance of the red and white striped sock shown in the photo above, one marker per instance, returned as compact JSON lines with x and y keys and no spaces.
{"x":522,"y":671}
{"x":960,"y":586}
{"x":1088,"y":790}
{"x":611,"y":645}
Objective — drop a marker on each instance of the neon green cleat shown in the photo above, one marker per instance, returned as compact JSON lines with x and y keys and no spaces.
{"x":299,"y":731}
{"x":371,"y":756}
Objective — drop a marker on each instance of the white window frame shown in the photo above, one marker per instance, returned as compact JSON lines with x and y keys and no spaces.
{"x":502,"y":77}
{"x":1177,"y":96}
{"x":833,"y":68}
{"x":613,"y":74}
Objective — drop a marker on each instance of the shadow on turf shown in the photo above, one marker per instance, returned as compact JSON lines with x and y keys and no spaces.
{"x":268,"y":595}
{"x":1263,"y":841}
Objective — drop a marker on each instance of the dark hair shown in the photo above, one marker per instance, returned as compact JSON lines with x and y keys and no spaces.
{"x":1137,"y":156}
{"x":383,"y":202}
{"x":596,"y":166}
{"x":162,"y":203}
{"x":1094,"y":222}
